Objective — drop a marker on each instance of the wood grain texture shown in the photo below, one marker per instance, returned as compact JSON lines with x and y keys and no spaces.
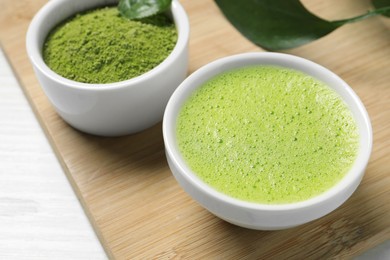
{"x":133,"y":201}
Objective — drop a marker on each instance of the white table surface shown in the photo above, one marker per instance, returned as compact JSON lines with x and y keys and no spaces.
{"x":40,"y":215}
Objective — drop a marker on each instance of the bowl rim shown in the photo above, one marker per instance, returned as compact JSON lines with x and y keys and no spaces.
{"x":180,"y":19}
{"x":184,"y":90}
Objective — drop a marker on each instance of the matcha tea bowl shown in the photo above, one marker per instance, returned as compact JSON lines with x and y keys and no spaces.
{"x":267,"y":141}
{"x":105,"y":74}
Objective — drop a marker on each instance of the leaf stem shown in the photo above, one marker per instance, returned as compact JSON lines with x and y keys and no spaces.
{"x":370,"y":13}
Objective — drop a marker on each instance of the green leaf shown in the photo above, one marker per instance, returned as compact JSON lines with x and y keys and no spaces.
{"x":382,"y":4}
{"x":383,"y":7}
{"x":137,"y":9}
{"x":275,"y":24}
{"x":283,"y":24}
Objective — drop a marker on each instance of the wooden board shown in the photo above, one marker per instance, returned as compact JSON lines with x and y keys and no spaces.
{"x":135,"y":204}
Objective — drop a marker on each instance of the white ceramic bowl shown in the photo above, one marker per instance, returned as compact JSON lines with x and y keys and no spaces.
{"x":111,"y":109}
{"x":254,"y":215}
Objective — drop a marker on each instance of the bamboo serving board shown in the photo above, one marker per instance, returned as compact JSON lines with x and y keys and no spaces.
{"x":134,"y":203}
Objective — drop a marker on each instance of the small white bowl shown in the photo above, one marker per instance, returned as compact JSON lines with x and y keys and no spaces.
{"x":111,"y":109}
{"x":255,"y":215}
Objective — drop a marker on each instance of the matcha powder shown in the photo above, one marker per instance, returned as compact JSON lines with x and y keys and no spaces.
{"x":101,"y":46}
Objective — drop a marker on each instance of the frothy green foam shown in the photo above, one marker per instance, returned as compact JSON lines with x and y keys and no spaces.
{"x":267,"y":134}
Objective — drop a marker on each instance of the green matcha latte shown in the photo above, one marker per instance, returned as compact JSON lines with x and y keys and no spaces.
{"x":268,"y":135}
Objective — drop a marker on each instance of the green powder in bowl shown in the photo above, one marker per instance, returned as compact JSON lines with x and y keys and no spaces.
{"x":101,"y":46}
{"x":267,"y":134}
